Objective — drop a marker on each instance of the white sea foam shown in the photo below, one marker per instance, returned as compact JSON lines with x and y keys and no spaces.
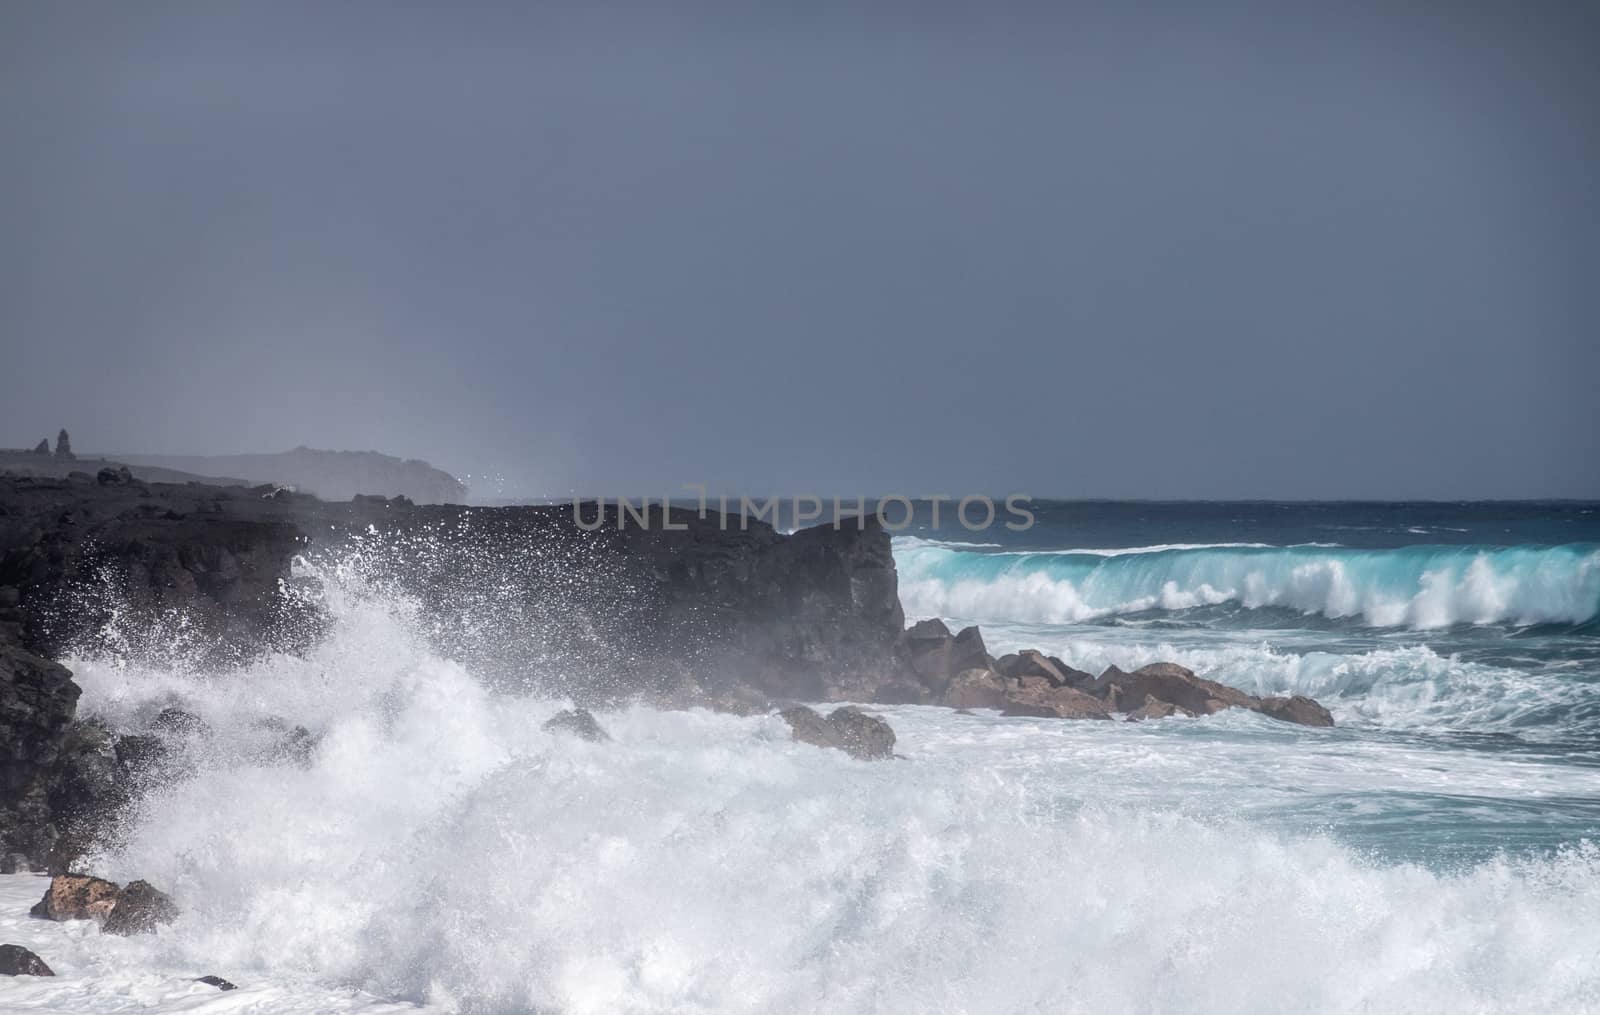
{"x":441,"y":847}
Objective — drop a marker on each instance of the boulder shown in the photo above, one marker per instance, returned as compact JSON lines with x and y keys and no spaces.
{"x":175,"y":722}
{"x":1296,"y":709}
{"x":976,"y":688}
{"x":926,"y":633}
{"x":936,"y":656}
{"x":1037,"y":696}
{"x":1032,"y":663}
{"x":859,"y":735}
{"x":140,"y":909}
{"x":579,"y":722}
{"x":1153,"y":709}
{"x":77,"y":897}
{"x":139,"y":754}
{"x":1170,"y":683}
{"x":807,"y":726}
{"x":215,"y":981}
{"x":16,"y":960}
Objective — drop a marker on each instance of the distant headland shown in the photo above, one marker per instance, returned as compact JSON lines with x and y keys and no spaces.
{"x":330,"y":475}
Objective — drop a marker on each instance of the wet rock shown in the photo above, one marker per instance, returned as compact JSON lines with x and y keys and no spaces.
{"x":1153,"y":709}
{"x":16,"y":960}
{"x":936,"y":656}
{"x":1170,"y":683}
{"x":1032,"y":663}
{"x":807,"y":726}
{"x":140,"y":909}
{"x":861,"y":735}
{"x":286,"y":744}
{"x":1173,"y":685}
{"x":37,"y":701}
{"x":216,"y":981}
{"x":1038,"y":696}
{"x":976,"y":688}
{"x":580,"y":722}
{"x":139,"y":754}
{"x":851,"y":730}
{"x":175,"y":722}
{"x":1297,"y":709}
{"x":77,"y":897}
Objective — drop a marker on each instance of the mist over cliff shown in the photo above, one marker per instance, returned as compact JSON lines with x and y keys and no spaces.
{"x":331,"y":475}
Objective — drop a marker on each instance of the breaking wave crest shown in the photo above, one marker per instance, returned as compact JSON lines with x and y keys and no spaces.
{"x":1417,"y":587}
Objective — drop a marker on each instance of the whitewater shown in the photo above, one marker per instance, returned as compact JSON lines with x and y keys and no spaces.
{"x":440,"y":851}
{"x":1419,"y":586}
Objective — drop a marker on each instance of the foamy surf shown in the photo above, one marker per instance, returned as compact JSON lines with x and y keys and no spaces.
{"x":440,"y":848}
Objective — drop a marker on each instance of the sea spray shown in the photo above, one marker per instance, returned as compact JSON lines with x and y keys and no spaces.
{"x":438,"y":846}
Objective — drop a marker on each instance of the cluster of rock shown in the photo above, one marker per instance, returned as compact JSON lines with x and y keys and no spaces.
{"x":138,"y":908}
{"x":956,"y":670}
{"x":932,"y":666}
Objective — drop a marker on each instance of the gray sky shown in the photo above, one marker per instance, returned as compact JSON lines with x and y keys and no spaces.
{"x":1343,"y":251}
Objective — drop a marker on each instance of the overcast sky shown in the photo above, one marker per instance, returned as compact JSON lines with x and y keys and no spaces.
{"x":1347,"y":251}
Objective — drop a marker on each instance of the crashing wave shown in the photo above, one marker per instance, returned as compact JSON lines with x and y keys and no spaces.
{"x":1418,"y":586}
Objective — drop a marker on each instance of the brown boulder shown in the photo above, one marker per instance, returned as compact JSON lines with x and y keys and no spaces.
{"x":1032,"y":663}
{"x":1296,"y":709}
{"x":76,"y":897}
{"x":139,"y":910}
{"x":1172,"y":683}
{"x":1153,"y":709}
{"x":859,"y":735}
{"x":937,"y":657}
{"x":1036,"y":696}
{"x":976,"y":688}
